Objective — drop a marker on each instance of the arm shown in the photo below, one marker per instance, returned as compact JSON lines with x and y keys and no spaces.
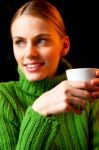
{"x":35,"y":131}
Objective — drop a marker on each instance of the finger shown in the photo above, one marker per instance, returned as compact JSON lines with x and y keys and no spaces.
{"x":78,"y":102}
{"x":84,"y":94}
{"x":97,"y":72}
{"x":95,"y":82}
{"x":84,"y":85}
{"x":95,"y":95}
{"x":72,"y":108}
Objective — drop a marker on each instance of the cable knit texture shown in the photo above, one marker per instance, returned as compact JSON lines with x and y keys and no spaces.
{"x":21,"y":128}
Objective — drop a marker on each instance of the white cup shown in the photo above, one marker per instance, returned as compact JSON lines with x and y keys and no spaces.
{"x":81,"y":74}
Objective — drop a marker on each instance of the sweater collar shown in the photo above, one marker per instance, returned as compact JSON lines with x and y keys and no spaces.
{"x":39,"y":87}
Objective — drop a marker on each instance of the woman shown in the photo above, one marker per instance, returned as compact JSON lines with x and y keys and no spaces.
{"x":39,"y":112}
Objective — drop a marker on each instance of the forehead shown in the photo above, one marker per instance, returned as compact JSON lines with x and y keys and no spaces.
{"x":33,"y":23}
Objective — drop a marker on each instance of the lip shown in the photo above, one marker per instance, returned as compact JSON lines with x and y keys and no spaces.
{"x":33,"y":67}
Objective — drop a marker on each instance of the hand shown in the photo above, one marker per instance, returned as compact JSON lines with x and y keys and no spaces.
{"x":65,"y":97}
{"x":95,"y":82}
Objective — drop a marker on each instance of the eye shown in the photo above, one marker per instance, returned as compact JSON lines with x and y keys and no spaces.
{"x":42,"y":42}
{"x":20,"y":43}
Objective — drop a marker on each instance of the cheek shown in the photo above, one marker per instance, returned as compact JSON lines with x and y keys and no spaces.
{"x":50,"y":54}
{"x":52,"y":59}
{"x":17,"y":56}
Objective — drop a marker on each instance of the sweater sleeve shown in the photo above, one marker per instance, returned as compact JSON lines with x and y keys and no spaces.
{"x":37,"y":132}
{"x":94,"y":126}
{"x":34,"y":132}
{"x":8,"y":125}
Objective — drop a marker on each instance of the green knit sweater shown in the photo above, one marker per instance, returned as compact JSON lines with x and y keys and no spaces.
{"x":21,"y":128}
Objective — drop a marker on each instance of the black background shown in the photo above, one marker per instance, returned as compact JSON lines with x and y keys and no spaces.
{"x":81,"y":19}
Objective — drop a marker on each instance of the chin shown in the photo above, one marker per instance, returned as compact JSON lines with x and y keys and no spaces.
{"x":34,"y":78}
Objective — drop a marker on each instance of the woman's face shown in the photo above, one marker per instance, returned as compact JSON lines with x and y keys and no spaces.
{"x":37,"y":47}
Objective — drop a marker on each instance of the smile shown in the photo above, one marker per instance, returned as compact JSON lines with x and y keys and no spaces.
{"x":33,"y":67}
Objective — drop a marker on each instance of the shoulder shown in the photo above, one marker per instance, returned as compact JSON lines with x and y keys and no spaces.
{"x":6,"y":100}
{"x":6,"y":86}
{"x":8,"y":91}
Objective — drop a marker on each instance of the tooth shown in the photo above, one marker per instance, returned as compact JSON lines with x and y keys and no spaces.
{"x":32,"y":66}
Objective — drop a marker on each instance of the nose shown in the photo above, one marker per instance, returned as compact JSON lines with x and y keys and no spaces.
{"x":31,"y":51}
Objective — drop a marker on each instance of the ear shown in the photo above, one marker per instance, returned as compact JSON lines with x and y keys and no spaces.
{"x":66,"y":46}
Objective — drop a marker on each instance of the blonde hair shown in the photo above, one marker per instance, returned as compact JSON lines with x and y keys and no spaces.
{"x":45,"y":10}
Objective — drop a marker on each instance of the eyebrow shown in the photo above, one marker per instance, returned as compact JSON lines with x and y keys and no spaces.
{"x":37,"y":36}
{"x":17,"y":37}
{"x":44,"y":34}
